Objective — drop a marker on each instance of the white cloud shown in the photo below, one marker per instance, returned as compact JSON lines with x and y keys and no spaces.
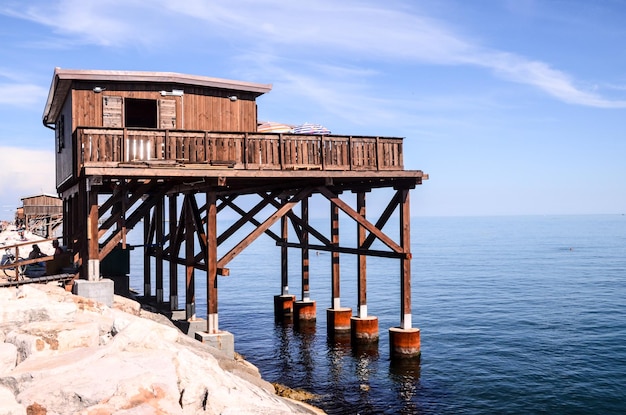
{"x":22,"y":94}
{"x":308,"y":32}
{"x":25,"y":172}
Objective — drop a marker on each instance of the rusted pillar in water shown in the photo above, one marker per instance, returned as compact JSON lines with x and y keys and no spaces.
{"x":337,"y":317}
{"x":404,"y":341}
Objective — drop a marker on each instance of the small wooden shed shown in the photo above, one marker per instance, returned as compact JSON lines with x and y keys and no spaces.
{"x":42,"y":214}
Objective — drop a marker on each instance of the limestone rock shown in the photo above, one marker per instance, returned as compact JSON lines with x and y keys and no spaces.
{"x":64,"y":354}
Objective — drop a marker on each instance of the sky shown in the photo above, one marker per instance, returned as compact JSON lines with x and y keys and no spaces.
{"x":512,"y":107}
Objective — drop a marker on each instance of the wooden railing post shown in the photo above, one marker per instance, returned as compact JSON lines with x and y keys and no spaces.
{"x":378,"y":154}
{"x":123,"y":145}
{"x":281,"y":151}
{"x":322,"y":160}
{"x":350,"y":152}
{"x":245,"y":150}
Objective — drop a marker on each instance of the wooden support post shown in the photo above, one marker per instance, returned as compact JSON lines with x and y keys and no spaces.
{"x":211,"y":230}
{"x":306,"y":294}
{"x":337,"y":318}
{"x":305,"y":310}
{"x":363,"y":328}
{"x":284,"y":253}
{"x":334,"y":240}
{"x":158,"y":254}
{"x":405,"y":262}
{"x":147,"y":277}
{"x":404,"y":341}
{"x":173,"y":215}
{"x":283,"y":303}
{"x":361,"y":259}
{"x":93,"y":250}
{"x":190,"y":296}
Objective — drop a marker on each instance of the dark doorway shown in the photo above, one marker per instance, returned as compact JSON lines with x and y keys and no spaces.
{"x":140,"y":112}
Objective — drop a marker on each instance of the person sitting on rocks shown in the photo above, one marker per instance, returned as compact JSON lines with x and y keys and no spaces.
{"x":57,"y":248}
{"x":36,"y":252}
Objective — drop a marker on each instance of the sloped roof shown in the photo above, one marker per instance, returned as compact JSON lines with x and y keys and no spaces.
{"x":62,"y":80}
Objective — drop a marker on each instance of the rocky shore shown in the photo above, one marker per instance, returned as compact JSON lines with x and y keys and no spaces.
{"x":65,"y":354}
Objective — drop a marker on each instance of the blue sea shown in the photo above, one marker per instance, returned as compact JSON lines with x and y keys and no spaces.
{"x":518,"y":315}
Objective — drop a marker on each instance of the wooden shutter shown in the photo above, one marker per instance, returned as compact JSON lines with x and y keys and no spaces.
{"x":112,"y":112}
{"x":167,"y":114}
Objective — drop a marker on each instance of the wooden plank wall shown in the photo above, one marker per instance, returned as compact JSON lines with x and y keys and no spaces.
{"x":198,"y":109}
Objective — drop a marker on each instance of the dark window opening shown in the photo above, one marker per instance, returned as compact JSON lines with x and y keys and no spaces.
{"x":140,"y":113}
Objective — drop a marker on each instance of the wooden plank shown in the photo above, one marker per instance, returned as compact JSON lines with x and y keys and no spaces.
{"x":112,"y":114}
{"x":167,"y":114}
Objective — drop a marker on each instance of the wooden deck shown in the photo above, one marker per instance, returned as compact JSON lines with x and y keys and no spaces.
{"x":157,"y":148}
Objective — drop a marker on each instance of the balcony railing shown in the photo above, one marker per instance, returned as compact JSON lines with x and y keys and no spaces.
{"x":262,"y":151}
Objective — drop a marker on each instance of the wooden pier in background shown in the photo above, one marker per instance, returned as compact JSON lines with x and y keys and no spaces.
{"x":173,"y":151}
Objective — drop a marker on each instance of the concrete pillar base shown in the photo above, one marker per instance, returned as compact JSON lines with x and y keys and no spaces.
{"x":364,"y":330}
{"x":101,"y":291}
{"x":338,"y":320}
{"x":222,"y":341}
{"x":283,"y":306}
{"x":404,"y":343}
{"x":190,"y":327}
{"x":305,"y":310}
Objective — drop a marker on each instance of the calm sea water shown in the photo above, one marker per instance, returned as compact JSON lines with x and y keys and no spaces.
{"x":518,"y":315}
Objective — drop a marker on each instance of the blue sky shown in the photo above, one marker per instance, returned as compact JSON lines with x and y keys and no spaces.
{"x":511,"y":106}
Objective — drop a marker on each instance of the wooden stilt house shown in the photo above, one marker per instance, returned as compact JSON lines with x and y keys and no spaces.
{"x":173,"y":150}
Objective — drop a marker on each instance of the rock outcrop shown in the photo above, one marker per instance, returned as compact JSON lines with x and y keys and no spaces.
{"x":65,"y":354}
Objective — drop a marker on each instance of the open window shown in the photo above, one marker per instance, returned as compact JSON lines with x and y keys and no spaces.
{"x":140,"y":113}
{"x":121,"y":112}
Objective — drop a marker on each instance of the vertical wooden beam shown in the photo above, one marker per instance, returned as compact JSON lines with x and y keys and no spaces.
{"x":93,"y":249}
{"x":211,"y":230}
{"x":306,"y":295}
{"x":361,"y":259}
{"x":405,"y":262}
{"x":173,"y":215}
{"x":284,"y":253}
{"x":147,"y":277}
{"x":158,"y":254}
{"x":334,"y":239}
{"x":190,"y":296}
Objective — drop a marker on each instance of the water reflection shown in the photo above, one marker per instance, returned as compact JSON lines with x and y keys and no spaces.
{"x":405,"y":377}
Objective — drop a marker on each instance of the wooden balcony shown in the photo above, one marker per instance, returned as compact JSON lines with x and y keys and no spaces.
{"x":126,"y":147}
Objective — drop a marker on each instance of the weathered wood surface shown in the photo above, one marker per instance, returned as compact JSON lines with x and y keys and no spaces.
{"x":246,"y":151}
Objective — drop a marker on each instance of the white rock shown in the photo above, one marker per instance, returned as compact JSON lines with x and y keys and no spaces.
{"x":8,"y":404}
{"x":8,"y":357}
{"x":76,"y":356}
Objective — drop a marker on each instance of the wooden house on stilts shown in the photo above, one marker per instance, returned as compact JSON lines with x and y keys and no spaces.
{"x":173,"y":150}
